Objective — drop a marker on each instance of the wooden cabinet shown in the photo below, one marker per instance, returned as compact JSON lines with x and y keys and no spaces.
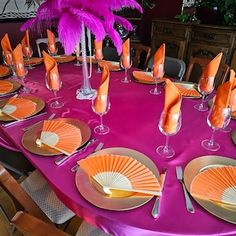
{"x":184,"y":40}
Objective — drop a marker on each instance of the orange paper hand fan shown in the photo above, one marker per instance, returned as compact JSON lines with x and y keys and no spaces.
{"x":115,"y":172}
{"x":5,"y":86}
{"x":19,"y":108}
{"x":216,"y":184}
{"x":61,"y":136}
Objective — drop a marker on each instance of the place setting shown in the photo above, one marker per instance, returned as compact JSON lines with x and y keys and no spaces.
{"x":4,"y":71}
{"x":9,"y":87}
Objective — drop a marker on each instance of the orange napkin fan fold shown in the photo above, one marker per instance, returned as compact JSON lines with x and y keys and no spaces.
{"x":221,"y":102}
{"x":7,"y":49}
{"x":25,"y":42}
{"x":232,"y":101}
{"x":51,"y":41}
{"x":18,"y":61}
{"x":98,"y":50}
{"x":208,"y":75}
{"x":172,"y":106}
{"x":52,"y":74}
{"x":126,"y":53}
{"x":101,"y":99}
{"x":158,"y":62}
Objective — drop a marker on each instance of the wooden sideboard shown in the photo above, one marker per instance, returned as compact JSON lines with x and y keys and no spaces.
{"x":184,"y":40}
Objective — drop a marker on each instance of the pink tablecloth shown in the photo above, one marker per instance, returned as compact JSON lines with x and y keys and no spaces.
{"x":133,"y":121}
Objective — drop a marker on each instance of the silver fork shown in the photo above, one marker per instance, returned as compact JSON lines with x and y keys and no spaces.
{"x":189,"y":205}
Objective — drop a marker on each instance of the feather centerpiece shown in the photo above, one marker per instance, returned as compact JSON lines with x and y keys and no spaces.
{"x":65,"y":14}
{"x":60,"y":136}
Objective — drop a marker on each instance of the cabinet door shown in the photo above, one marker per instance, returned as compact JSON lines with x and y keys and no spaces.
{"x":233,"y":61}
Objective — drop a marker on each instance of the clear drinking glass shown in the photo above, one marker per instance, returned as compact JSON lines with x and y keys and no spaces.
{"x":21,"y":73}
{"x":28,"y":53}
{"x":168,"y":129}
{"x":8,"y":61}
{"x":101,"y":110}
{"x":223,"y":117}
{"x":205,"y":87}
{"x":52,"y":49}
{"x":54,"y":83}
{"x":126,"y":63}
{"x":159,"y":75}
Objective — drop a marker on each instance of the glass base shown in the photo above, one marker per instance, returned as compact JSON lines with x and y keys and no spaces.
{"x":227,"y":129}
{"x":86,"y":94}
{"x":25,"y":90}
{"x":77,"y":64}
{"x":155,"y":91}
{"x":101,"y":129}
{"x":125,"y":80}
{"x":56,"y":104}
{"x":201,"y":107}
{"x":209,"y":145}
{"x":30,"y":67}
{"x":165,"y":151}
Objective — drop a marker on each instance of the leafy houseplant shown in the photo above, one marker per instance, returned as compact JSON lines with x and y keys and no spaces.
{"x":227,"y":8}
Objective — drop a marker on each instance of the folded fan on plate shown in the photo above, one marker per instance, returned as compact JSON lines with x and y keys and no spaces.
{"x":5,"y":86}
{"x":109,"y":173}
{"x":144,"y":76}
{"x":112,"y":65}
{"x":18,"y":108}
{"x":187,"y":90}
{"x":216,"y":184}
{"x":61,"y":136}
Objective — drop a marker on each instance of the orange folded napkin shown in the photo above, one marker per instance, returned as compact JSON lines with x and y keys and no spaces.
{"x":158,"y":62}
{"x":26,"y":44}
{"x":7,"y":49}
{"x":206,"y":83}
{"x":52,"y":74}
{"x":5,"y":86}
{"x":126,"y":53}
{"x":221,"y":102}
{"x":172,"y":106}
{"x":18,"y":60}
{"x":51,"y":42}
{"x":98,"y":50}
{"x":100,"y":102}
{"x":232,"y":101}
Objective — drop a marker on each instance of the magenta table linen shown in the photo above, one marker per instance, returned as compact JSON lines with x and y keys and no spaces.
{"x":133,"y":120}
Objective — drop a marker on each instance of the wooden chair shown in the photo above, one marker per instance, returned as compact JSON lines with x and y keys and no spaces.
{"x":196,"y":66}
{"x":141,"y":54}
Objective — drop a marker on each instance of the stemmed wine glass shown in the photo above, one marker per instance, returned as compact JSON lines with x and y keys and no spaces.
{"x":216,"y":119}
{"x":28,"y":53}
{"x":52,"y":49}
{"x":101,"y":105}
{"x":54,"y":83}
{"x":126,"y":63}
{"x":8,"y":61}
{"x":156,"y":77}
{"x":168,"y":129}
{"x":21,"y":73}
{"x":205,"y":86}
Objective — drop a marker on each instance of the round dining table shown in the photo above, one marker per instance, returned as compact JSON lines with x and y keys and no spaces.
{"x":133,"y":121}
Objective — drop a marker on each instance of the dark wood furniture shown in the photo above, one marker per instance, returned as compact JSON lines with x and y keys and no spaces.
{"x":186,"y":40}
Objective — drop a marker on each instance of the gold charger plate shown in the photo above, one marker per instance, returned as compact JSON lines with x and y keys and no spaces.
{"x":40,"y":104}
{"x":29,"y":138}
{"x":16,"y":86}
{"x":233,"y":136}
{"x":94,"y":61}
{"x":188,"y":89}
{"x":4,"y":71}
{"x":200,"y":164}
{"x":132,"y":201}
{"x":112,"y":65}
{"x":33,"y":61}
{"x":64,"y":58}
{"x":145,"y":77}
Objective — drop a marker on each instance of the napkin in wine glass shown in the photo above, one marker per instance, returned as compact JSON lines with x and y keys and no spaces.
{"x":232,"y":101}
{"x":126,"y":53}
{"x":100,"y":103}
{"x":208,"y":75}
{"x":221,"y":101}
{"x":18,"y":60}
{"x":98,"y":49}
{"x":51,"y":41}
{"x":158,"y":62}
{"x":172,"y":107}
{"x":6,"y":48}
{"x":25,"y":42}
{"x":52,"y":73}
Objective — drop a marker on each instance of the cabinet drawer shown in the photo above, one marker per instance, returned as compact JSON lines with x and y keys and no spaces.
{"x":169,"y":30}
{"x":207,"y":35}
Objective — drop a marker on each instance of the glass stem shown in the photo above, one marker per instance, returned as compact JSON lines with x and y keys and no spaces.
{"x":212,"y":137}
{"x":101,"y":121}
{"x":126,"y":74}
{"x":55,"y":95}
{"x":203,"y":100}
{"x":155,"y":84}
{"x":166,"y":144}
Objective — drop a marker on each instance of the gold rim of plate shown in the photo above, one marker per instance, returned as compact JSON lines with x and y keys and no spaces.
{"x":34,"y":61}
{"x":138,"y":80}
{"x":94,"y":61}
{"x":29,"y":137}
{"x":40,"y":104}
{"x":7,"y":73}
{"x":64,"y":58}
{"x":111,"y":64}
{"x":16,"y":86}
{"x":233,"y":136}
{"x":132,"y":201}
{"x":199,"y":164}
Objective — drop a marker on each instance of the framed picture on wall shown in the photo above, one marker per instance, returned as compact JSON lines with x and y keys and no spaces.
{"x":18,"y":9}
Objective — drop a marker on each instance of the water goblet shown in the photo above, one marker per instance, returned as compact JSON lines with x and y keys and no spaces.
{"x":156,"y":76}
{"x":52,"y":49}
{"x":101,"y":105}
{"x":8,"y":61}
{"x":169,"y":128}
{"x":54,"y":83}
{"x":126,"y":63}
{"x":217,"y":119}
{"x":28,"y":53}
{"x":21,"y":73}
{"x":205,"y":87}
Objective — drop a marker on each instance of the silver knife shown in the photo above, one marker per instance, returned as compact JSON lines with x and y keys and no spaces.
{"x":28,"y":118}
{"x":60,"y":160}
{"x":98,"y":148}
